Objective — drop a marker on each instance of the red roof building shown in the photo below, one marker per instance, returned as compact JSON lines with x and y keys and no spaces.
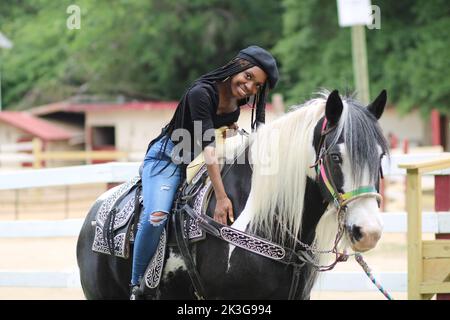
{"x":126,"y":126}
{"x":34,"y":126}
{"x":70,"y":107}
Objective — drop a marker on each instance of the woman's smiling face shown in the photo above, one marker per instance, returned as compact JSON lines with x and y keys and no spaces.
{"x":247,"y":82}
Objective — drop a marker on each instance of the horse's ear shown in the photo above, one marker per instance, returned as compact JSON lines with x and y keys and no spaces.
{"x":377,"y":106}
{"x":334,"y":107}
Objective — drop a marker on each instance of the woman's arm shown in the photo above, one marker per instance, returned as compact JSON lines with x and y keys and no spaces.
{"x":224,"y":207}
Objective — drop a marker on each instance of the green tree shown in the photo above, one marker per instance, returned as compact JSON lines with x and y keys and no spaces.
{"x":408,"y":56}
{"x":136,"y":48}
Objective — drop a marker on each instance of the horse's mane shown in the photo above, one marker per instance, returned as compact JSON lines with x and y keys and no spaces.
{"x":282,"y":154}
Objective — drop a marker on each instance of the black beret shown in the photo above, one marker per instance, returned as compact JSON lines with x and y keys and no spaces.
{"x":263,"y":59}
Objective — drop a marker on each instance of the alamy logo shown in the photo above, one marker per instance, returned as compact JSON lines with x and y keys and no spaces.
{"x":74,"y":20}
{"x":376,"y":18}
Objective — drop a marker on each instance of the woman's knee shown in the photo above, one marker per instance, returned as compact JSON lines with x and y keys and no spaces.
{"x":158,"y":218}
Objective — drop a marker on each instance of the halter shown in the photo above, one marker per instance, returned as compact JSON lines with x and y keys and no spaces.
{"x":340,"y":200}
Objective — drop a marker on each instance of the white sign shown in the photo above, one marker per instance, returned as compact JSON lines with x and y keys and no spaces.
{"x":4,"y":42}
{"x":354,"y":12}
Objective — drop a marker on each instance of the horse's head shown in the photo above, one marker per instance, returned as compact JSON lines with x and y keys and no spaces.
{"x":349,"y":146}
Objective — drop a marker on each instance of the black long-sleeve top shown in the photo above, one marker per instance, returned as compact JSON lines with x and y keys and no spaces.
{"x":201,"y":103}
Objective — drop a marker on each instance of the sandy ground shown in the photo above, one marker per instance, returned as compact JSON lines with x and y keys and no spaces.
{"x":58,"y":254}
{"x":50,"y":254}
{"x":41,"y":294}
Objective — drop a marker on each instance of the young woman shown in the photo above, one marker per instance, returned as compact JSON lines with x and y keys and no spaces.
{"x":212,"y":101}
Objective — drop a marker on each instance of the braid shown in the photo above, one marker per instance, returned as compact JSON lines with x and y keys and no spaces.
{"x":259,"y":104}
{"x":230,"y":69}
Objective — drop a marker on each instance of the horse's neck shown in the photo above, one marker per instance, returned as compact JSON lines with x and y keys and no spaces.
{"x":313,"y":210}
{"x":236,"y":179}
{"x":237,"y":182}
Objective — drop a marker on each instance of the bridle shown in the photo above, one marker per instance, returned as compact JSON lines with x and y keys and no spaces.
{"x":339,"y":199}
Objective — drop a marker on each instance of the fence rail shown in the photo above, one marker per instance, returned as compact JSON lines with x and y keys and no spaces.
{"x":32,"y":152}
{"x":113,"y":172}
{"x":15,"y":147}
{"x":394,"y":222}
{"x":432,"y":222}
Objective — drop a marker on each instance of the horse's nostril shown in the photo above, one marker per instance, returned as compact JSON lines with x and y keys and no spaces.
{"x":356,"y":233}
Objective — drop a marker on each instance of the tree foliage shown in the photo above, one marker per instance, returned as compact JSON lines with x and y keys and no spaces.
{"x":408,"y":56}
{"x":135,"y":48}
{"x":152,"y":49}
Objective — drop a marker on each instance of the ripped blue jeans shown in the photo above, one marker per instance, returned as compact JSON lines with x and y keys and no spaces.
{"x":159,"y":186}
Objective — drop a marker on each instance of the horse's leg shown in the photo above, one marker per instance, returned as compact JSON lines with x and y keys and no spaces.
{"x":175,"y":282}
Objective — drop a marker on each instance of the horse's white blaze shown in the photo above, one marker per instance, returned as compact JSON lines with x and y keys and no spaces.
{"x":174,"y":263}
{"x":364,"y":212}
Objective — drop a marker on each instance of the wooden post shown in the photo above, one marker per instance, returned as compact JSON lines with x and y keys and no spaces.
{"x":66,"y":201}
{"x":37,"y":153}
{"x":442,"y":203}
{"x":405,"y":146}
{"x":16,"y":204}
{"x":422,"y":255}
{"x":414,"y":210}
{"x":435,"y":119}
{"x":360,"y":69}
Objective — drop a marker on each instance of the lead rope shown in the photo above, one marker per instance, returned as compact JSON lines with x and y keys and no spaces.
{"x":363,"y":264}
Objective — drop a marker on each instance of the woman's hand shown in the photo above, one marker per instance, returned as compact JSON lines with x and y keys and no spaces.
{"x":233,"y":126}
{"x":231,"y":131}
{"x":224,"y":209}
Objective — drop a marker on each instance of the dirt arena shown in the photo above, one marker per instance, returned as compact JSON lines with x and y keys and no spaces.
{"x":58,"y":254}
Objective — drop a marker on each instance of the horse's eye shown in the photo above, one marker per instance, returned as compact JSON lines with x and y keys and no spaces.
{"x":336,"y":158}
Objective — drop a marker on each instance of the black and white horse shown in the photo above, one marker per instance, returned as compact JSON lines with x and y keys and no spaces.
{"x":310,"y":184}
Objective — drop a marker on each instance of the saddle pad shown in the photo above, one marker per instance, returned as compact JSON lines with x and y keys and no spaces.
{"x":123,"y":202}
{"x":193,"y":230}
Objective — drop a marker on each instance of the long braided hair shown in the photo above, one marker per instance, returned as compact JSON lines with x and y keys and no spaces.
{"x":233,"y":67}
{"x":220,"y":74}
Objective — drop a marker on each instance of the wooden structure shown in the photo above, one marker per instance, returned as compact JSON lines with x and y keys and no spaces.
{"x":40,"y":157}
{"x":428,"y":261}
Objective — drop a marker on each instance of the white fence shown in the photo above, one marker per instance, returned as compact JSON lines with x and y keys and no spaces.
{"x":118,"y":172}
{"x":13,"y":154}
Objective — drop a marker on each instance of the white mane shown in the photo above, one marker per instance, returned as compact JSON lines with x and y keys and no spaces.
{"x":282,"y":153}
